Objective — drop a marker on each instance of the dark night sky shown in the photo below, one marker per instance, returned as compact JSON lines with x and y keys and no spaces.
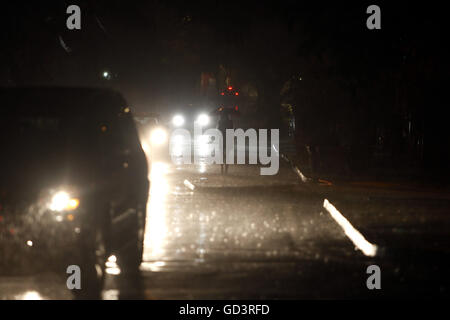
{"x":158,"y":48}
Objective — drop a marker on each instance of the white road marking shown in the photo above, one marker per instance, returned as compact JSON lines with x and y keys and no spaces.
{"x":189,"y":185}
{"x":300,"y":174}
{"x":355,"y":236}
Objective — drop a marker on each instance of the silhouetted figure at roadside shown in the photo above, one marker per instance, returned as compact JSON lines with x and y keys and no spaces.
{"x":225,"y":122}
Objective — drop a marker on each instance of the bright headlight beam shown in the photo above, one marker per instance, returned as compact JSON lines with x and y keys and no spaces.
{"x":62,"y":201}
{"x":203,"y":119}
{"x":178,"y":120}
{"x":158,"y":136}
{"x":59,"y":201}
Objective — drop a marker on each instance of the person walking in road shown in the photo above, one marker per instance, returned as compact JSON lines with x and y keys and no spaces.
{"x":224,"y":122}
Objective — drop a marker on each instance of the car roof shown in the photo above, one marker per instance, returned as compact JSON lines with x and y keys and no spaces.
{"x":61,"y":101}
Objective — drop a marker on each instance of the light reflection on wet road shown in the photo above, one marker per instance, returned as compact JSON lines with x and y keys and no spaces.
{"x":156,"y":227}
{"x":240,"y":236}
{"x":233,"y":227}
{"x":242,"y":215}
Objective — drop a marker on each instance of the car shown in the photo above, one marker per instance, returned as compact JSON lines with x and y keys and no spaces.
{"x":73,"y":182}
{"x":190,"y":117}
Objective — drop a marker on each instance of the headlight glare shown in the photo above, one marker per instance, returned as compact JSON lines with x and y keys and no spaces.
{"x":158,"y":136}
{"x":62,"y":201}
{"x":203,"y":119}
{"x":178,"y":120}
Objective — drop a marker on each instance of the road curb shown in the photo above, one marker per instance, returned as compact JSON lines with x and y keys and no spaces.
{"x":300,"y":174}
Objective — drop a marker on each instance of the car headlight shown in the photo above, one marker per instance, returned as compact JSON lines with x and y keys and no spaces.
{"x":158,"y":136}
{"x":62,"y":201}
{"x":203,"y":119}
{"x":178,"y":120}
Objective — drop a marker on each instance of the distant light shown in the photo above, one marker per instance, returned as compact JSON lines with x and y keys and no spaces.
{"x":203,"y":119}
{"x":126,"y":110}
{"x":230,"y":88}
{"x":237,"y":93}
{"x":222,"y":93}
{"x":113,"y":271}
{"x":29,"y":243}
{"x":111,"y":262}
{"x":236,"y":108}
{"x":105,"y":74}
{"x":178,"y":120}
{"x":62,"y":201}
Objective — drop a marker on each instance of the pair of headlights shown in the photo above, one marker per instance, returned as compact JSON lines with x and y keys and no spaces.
{"x":178,"y":120}
{"x":159,"y":136}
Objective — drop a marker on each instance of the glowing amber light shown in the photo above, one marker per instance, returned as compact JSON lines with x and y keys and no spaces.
{"x":73,"y":204}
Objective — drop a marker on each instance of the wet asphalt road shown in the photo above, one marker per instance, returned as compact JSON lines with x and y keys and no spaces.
{"x":246,"y":236}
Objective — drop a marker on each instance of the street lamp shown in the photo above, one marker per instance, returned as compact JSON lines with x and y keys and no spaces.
{"x":106,"y":75}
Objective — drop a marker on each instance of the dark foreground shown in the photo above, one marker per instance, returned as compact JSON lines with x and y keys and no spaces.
{"x":246,"y":236}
